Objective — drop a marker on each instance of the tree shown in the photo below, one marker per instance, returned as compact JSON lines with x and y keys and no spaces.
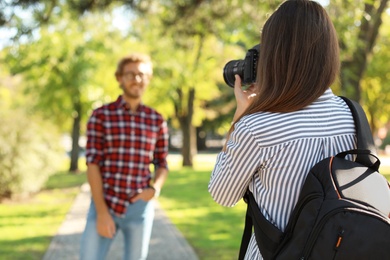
{"x":358,"y":34}
{"x":184,"y":75}
{"x":28,"y":155}
{"x":64,"y":69}
{"x":363,"y":32}
{"x":375,"y":85}
{"x":198,"y":32}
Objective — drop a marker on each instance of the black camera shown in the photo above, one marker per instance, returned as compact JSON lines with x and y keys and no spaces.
{"x":246,"y":68}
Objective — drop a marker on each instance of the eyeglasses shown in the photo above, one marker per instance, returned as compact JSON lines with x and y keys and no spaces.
{"x":131,"y":76}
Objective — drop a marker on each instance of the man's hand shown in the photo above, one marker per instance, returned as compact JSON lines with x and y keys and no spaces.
{"x":146,"y":195}
{"x":105,"y":225}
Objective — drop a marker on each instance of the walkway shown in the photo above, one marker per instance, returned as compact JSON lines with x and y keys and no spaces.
{"x":167,"y":243}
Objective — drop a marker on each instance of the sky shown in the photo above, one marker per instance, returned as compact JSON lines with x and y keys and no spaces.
{"x":323,"y":2}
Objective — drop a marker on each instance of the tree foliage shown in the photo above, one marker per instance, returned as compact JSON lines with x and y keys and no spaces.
{"x":358,"y":24}
{"x":363,"y":32}
{"x":375,"y":85}
{"x":65,"y":69}
{"x":29,"y":153}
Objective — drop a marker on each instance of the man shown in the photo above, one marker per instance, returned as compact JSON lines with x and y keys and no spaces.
{"x":123,"y":139}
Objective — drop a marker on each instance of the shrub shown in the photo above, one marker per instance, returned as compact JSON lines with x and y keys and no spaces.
{"x":29,"y":153}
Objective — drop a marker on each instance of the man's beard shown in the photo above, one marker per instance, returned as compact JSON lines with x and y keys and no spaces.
{"x":128,"y":93}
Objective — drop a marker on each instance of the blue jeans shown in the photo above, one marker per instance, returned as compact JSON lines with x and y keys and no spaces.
{"x":136,"y":226}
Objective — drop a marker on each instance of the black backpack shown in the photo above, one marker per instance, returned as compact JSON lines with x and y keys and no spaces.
{"x":342,"y":211}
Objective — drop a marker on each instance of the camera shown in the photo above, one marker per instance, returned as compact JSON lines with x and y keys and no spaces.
{"x":246,"y":68}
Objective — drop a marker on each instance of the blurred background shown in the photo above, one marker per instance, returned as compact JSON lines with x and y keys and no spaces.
{"x":57,"y":63}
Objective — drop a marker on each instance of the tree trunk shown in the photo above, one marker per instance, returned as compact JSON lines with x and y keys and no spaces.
{"x":353,"y":70}
{"x":74,"y":155}
{"x":188,"y":149}
{"x":184,"y":111}
{"x":200,"y":139}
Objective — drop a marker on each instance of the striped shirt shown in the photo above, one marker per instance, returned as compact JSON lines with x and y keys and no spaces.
{"x":124,"y":144}
{"x":273,"y":152}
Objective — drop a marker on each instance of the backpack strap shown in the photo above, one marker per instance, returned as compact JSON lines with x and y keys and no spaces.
{"x":365,"y":140}
{"x":267,"y":236}
{"x":246,"y":236}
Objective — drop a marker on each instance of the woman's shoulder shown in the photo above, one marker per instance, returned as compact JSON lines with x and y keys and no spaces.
{"x":327,"y":105}
{"x":320,"y":119}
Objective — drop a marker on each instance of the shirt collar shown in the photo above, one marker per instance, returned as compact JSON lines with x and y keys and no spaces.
{"x":121,"y":103}
{"x":328,"y":94}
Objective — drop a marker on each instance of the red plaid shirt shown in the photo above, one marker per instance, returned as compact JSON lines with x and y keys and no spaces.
{"x":124,"y":144}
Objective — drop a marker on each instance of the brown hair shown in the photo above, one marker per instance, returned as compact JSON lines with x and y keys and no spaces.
{"x":299,"y":58}
{"x":134,"y":57}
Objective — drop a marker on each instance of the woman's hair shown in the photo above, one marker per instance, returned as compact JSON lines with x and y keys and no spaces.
{"x":299,"y":58}
{"x":134,"y":57}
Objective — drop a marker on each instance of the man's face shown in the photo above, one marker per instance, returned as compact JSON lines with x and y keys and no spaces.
{"x":134,"y":79}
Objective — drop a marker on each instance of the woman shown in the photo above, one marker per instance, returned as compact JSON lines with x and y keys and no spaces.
{"x":288,"y":120}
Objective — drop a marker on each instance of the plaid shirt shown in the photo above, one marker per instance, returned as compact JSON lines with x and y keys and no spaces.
{"x":124,"y":144}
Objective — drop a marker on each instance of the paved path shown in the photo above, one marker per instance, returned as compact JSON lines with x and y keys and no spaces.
{"x":167,"y":243}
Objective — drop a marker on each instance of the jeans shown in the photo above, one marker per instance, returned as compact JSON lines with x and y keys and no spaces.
{"x":136,"y":226}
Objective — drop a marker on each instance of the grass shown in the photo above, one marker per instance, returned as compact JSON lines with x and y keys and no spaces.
{"x":64,"y":180}
{"x":213,"y":231}
{"x":28,"y":226}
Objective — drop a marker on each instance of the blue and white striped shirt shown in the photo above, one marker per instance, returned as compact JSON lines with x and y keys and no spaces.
{"x":273,"y":152}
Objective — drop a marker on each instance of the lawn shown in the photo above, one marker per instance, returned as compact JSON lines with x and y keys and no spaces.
{"x":27,"y":226}
{"x":214,"y":231}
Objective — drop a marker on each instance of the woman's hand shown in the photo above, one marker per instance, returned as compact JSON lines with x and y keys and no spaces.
{"x":243,"y":97}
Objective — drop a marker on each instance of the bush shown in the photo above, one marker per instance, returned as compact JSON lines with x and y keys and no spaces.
{"x":29,"y":153}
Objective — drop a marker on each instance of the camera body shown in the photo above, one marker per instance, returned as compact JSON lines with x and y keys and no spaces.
{"x":246,"y":69}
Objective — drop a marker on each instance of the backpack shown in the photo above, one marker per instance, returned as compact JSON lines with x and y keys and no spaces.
{"x":342,"y":211}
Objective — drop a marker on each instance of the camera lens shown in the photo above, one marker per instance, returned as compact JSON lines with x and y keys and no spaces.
{"x":232,"y":68}
{"x":246,"y":69}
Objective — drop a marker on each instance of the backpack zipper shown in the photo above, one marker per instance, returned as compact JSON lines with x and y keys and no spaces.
{"x":339,"y":238}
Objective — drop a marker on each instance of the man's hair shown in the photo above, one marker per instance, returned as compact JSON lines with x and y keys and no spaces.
{"x":299,"y":57}
{"x":133,"y":58}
